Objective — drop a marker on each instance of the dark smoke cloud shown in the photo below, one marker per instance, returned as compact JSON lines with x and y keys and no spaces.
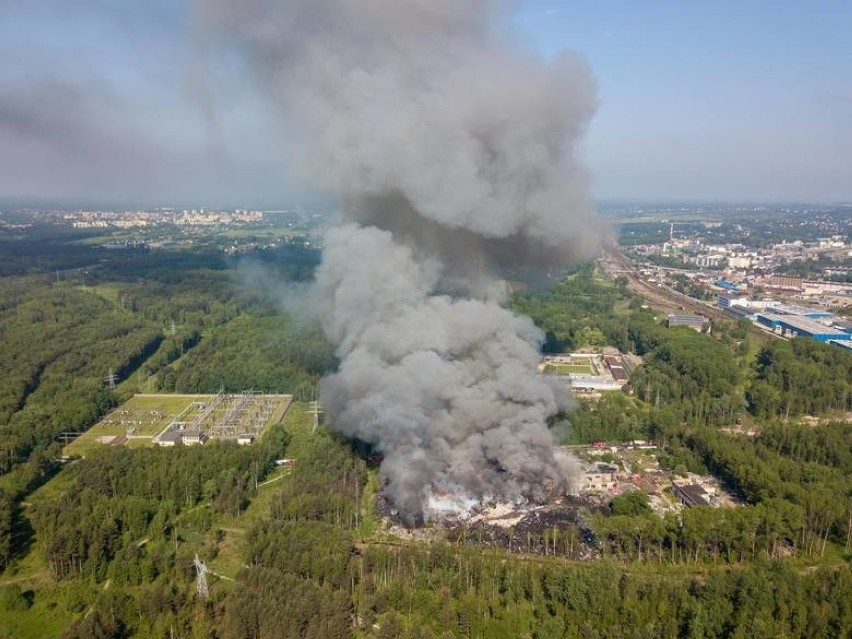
{"x":452,"y":151}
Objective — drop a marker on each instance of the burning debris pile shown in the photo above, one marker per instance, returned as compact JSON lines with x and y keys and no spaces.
{"x":451,"y":150}
{"x":557,"y":528}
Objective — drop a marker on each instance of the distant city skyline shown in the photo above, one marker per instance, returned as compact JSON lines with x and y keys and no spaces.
{"x":118,"y":103}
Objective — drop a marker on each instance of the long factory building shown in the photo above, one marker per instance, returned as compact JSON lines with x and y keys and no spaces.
{"x":789,"y":321}
{"x":798,"y":326}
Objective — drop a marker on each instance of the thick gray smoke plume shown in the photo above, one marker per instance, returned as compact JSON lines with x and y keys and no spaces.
{"x":451,"y":149}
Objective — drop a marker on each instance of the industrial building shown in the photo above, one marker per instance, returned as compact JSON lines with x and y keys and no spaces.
{"x":600,"y":477}
{"x":594,"y":383}
{"x":842,"y":325}
{"x":727,"y":285}
{"x":738,"y":305}
{"x":733,"y":303}
{"x":692,"y":495}
{"x":842,"y":343}
{"x":616,"y":368}
{"x":802,"y":311}
{"x":789,"y":320}
{"x":799,"y":326}
{"x":588,"y":372}
{"x":168,"y":438}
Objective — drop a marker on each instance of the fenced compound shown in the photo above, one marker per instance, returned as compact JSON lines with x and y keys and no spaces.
{"x":169,"y":419}
{"x":228,"y":416}
{"x":246,"y":415}
{"x":206,"y":410}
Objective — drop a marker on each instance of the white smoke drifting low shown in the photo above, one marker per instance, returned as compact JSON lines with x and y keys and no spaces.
{"x":451,"y":150}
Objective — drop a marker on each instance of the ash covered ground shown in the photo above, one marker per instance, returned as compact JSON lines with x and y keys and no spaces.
{"x":558,"y":527}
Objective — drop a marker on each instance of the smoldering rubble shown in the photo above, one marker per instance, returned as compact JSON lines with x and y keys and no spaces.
{"x":452,"y":151}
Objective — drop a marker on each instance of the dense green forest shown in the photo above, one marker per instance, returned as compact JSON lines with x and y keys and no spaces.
{"x":356,"y":587}
{"x":800,"y":377}
{"x":709,"y":379}
{"x":104,"y":546}
{"x":120,"y":496}
{"x":156,"y":320}
{"x":262,"y":350}
{"x":58,"y":344}
{"x":48,"y":248}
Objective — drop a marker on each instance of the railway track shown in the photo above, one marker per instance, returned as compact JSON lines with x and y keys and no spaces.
{"x":660,"y":297}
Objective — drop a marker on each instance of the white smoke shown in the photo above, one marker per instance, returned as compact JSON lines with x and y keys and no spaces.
{"x":452,"y":152}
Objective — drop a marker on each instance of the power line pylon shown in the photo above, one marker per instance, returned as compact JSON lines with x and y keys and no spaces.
{"x":201,"y":578}
{"x":316,"y":411}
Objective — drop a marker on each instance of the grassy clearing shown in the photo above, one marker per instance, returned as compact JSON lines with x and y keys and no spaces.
{"x":622,"y":307}
{"x":229,"y":545}
{"x":108,"y":291}
{"x":146,"y":414}
{"x":370,"y":524}
{"x":168,"y":403}
{"x":53,"y":489}
{"x":52,"y":606}
{"x":569,"y":369}
{"x":228,"y":532}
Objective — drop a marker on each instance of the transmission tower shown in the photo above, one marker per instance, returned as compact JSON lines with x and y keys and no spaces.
{"x":173,"y":328}
{"x":316,"y":411}
{"x":111,"y":379}
{"x":201,"y":580}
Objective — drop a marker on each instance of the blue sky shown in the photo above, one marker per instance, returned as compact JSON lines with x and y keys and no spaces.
{"x":108,"y":100}
{"x":713,"y":100}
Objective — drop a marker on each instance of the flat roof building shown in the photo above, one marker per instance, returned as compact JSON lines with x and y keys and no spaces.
{"x":842,"y":343}
{"x":618,"y":373}
{"x":193,"y":437}
{"x":593,"y":383}
{"x":842,"y":325}
{"x":802,"y":311}
{"x":729,"y":301}
{"x":727,"y":285}
{"x":169,"y":438}
{"x":692,"y":495}
{"x":797,"y":326}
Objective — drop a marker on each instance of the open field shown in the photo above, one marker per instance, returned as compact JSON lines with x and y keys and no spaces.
{"x":574,"y":364}
{"x":109,"y":291}
{"x":569,"y":369}
{"x":138,"y":420}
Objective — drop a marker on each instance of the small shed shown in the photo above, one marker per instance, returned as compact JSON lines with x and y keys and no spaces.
{"x":692,"y":495}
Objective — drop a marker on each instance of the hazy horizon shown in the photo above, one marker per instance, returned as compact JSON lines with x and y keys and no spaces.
{"x":725,"y":103}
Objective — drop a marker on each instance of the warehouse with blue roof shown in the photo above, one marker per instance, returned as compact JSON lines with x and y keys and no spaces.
{"x":798,"y":326}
